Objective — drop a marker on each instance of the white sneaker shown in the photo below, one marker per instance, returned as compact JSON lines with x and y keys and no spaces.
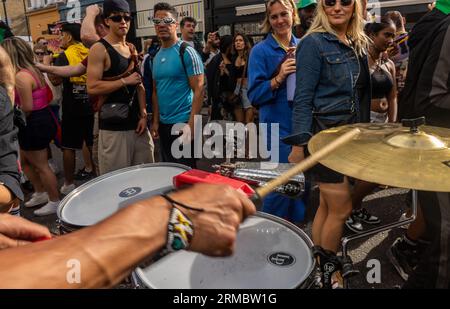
{"x":67,"y":189}
{"x":37,"y":198}
{"x":53,"y":166}
{"x":48,"y":209}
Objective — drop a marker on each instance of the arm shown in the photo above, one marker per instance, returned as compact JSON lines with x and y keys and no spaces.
{"x":110,"y":250}
{"x":260,"y":85}
{"x":64,"y":71}
{"x":24,"y":87}
{"x":155,"y":109}
{"x":392,"y":97}
{"x":142,"y":124}
{"x":309,"y":66}
{"x":195,"y":71}
{"x":96,"y":66}
{"x":88,"y":32}
{"x":433,"y":82}
{"x":197,"y":85}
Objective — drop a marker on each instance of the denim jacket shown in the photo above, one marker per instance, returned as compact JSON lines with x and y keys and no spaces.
{"x":327,"y":72}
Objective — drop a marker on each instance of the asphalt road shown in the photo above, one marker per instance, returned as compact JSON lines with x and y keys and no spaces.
{"x":387,"y":204}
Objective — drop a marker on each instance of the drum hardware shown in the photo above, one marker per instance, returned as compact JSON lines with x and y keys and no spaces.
{"x":410,"y":155}
{"x":253,"y":174}
{"x":270,"y":253}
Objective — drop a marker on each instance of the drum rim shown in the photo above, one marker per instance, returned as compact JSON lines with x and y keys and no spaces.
{"x":142,"y":282}
{"x":81,"y":188}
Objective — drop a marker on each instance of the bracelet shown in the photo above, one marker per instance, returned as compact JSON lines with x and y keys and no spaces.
{"x":173,"y":202}
{"x":180,"y":230}
{"x":123,"y":82}
{"x":278,"y":84}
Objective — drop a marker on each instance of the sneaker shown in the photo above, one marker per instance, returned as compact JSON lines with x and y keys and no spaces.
{"x":403,"y":258}
{"x":37,"y":198}
{"x":48,"y":209}
{"x":364,"y":216}
{"x":82,"y":174}
{"x":15,"y":211}
{"x":66,"y":189}
{"x":353,"y":224}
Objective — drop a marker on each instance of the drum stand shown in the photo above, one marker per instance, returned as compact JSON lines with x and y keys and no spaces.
{"x":347,"y":265}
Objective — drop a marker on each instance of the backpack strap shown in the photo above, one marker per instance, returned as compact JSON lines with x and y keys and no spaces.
{"x":183,"y":47}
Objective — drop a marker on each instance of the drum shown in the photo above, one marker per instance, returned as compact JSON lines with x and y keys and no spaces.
{"x":103,"y":196}
{"x":271,"y":253}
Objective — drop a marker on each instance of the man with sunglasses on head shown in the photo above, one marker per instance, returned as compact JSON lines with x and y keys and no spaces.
{"x":124,"y":139}
{"x":178,"y":86}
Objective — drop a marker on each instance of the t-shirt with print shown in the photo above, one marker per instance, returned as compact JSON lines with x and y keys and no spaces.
{"x":172,"y":85}
{"x":75,"y":102}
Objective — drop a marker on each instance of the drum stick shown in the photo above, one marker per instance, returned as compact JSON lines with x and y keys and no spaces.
{"x":305,"y":164}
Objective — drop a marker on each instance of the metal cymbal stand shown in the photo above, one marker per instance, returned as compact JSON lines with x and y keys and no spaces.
{"x":347,"y":264}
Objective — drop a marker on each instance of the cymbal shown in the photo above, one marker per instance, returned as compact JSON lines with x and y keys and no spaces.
{"x":390,"y":154}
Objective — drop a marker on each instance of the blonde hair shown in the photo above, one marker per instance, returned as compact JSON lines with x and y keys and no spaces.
{"x":22,"y":57}
{"x":7,"y":76}
{"x":288,"y":4}
{"x":355,"y":29}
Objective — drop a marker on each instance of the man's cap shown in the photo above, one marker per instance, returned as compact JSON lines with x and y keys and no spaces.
{"x":74,"y":29}
{"x":110,"y":6}
{"x":301,"y":4}
{"x":443,"y":6}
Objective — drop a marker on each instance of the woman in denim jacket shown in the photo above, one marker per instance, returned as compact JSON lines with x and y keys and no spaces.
{"x":333,"y":88}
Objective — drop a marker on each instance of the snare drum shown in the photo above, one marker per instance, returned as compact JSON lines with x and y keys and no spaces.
{"x":271,"y":253}
{"x":103,"y":196}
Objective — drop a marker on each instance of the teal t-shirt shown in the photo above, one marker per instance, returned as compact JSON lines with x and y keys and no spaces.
{"x":172,"y":85}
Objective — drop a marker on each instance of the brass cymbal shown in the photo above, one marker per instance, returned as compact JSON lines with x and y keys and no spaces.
{"x":392,"y":155}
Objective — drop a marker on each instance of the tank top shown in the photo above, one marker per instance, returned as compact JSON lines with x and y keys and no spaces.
{"x":382,"y":83}
{"x":124,"y":95}
{"x":39,"y":95}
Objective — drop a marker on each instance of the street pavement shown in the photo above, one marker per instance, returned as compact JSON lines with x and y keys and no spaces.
{"x":387,"y":204}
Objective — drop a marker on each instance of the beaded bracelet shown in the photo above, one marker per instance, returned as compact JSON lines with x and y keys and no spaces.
{"x":180,"y":229}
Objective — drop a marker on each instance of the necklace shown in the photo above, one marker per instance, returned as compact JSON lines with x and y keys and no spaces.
{"x":286,"y":48}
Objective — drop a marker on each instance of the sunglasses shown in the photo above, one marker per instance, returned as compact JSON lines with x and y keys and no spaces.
{"x":39,"y":53}
{"x":165,"y":21}
{"x":331,"y":3}
{"x":118,"y":18}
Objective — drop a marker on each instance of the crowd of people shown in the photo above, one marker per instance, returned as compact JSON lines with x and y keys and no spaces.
{"x":321,"y":64}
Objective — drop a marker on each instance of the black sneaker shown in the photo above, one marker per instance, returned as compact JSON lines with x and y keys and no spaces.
{"x":403,"y":258}
{"x":364,"y":216}
{"x":82,"y":174}
{"x":353,"y":224}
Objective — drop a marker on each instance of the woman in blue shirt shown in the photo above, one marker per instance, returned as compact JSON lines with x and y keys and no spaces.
{"x":268,"y":69}
{"x":333,"y":88}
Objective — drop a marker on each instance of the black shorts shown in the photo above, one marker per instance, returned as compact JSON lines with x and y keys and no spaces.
{"x":321,"y":173}
{"x":39,"y":131}
{"x":75,"y":131}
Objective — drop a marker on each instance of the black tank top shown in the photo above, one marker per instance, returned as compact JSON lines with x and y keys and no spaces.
{"x":381,"y":83}
{"x":119,"y":64}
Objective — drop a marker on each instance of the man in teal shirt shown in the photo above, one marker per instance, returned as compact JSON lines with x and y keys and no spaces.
{"x":178,"y":86}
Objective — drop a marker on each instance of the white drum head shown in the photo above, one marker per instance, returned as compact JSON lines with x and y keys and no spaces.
{"x":270,"y":254}
{"x":100,"y":198}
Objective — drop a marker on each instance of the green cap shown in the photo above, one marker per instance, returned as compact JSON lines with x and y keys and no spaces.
{"x":443,"y":6}
{"x":304,"y":3}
